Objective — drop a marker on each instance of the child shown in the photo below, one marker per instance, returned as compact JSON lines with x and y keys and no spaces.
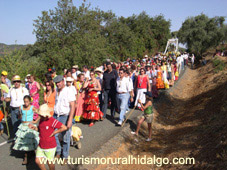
{"x":47,"y":129}
{"x":147,"y":116}
{"x":26,"y":139}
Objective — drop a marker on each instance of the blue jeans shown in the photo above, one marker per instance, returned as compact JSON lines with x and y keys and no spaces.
{"x":15,"y":112}
{"x":1,"y":126}
{"x":65,"y":135}
{"x":182,"y":65}
{"x":123,"y":101}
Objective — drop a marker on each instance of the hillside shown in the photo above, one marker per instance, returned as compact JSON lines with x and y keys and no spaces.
{"x":4,"y":49}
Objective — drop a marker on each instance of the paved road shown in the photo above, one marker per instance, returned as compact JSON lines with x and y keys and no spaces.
{"x":94,"y":138}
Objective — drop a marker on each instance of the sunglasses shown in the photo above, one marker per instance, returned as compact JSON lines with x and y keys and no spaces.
{"x":47,"y":85}
{"x":16,"y":81}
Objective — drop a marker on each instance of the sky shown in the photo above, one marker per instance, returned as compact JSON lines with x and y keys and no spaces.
{"x":17,"y":16}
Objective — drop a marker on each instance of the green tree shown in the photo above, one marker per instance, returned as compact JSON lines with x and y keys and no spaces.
{"x":201,"y":32}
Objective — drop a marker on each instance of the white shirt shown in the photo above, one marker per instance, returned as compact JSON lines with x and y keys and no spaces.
{"x":72,"y":89}
{"x":193,"y":58}
{"x":76,"y":74}
{"x":62,"y":100}
{"x":130,"y":84}
{"x":123,"y":85}
{"x":87,"y":75}
{"x":154,"y":73}
{"x":179,"y":59}
{"x":148,"y":73}
{"x":186,"y":56}
{"x":17,"y":96}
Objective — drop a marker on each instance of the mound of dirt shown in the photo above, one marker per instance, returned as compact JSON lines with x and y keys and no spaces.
{"x":190,"y":121}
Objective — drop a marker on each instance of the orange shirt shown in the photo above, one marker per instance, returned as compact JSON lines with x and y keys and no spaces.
{"x":50,"y":100}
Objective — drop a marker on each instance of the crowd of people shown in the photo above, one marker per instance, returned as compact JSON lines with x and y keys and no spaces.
{"x":81,"y":95}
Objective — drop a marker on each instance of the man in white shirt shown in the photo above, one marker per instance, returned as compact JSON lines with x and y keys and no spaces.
{"x":75,"y":72}
{"x":16,"y":97}
{"x":64,"y":110}
{"x":130,"y":90}
{"x":123,"y":88}
{"x":86,"y":72}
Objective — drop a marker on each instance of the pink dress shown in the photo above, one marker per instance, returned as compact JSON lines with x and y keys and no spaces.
{"x":80,"y":103}
{"x":35,"y":99}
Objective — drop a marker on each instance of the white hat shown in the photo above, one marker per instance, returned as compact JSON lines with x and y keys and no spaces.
{"x":146,"y":56}
{"x":44,"y":110}
{"x":99,"y":69}
{"x":28,"y":75}
{"x":69,"y":79}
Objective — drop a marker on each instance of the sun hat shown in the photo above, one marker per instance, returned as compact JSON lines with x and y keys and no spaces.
{"x":28,"y":75}
{"x":44,"y":110}
{"x":69,"y":79}
{"x":4,"y":73}
{"x":16,"y":78}
{"x":146,"y":56}
{"x":98,"y":70}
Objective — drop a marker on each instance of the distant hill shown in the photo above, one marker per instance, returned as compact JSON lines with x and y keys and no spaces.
{"x":4,"y":49}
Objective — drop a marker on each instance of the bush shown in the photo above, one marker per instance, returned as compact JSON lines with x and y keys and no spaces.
{"x":218,"y":65}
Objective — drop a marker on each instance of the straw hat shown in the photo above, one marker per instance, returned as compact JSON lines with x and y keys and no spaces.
{"x":44,"y":110}
{"x":98,"y":70}
{"x":16,"y":78}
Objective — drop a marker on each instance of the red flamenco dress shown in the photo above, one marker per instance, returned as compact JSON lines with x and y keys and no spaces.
{"x":92,"y":110}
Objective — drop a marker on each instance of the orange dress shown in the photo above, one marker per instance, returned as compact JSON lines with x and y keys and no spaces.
{"x":50,"y":100}
{"x":160,"y":83}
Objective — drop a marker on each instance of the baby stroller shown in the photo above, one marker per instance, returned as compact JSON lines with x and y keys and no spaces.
{"x":76,"y":135}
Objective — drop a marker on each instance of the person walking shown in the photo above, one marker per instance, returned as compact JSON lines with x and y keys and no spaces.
{"x":16,"y":98}
{"x":92,"y":110}
{"x":123,"y":88}
{"x":109,"y":89}
{"x":142,"y":84}
{"x":79,"y":98}
{"x":64,"y":110}
{"x":49,"y":95}
{"x":26,"y":139}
